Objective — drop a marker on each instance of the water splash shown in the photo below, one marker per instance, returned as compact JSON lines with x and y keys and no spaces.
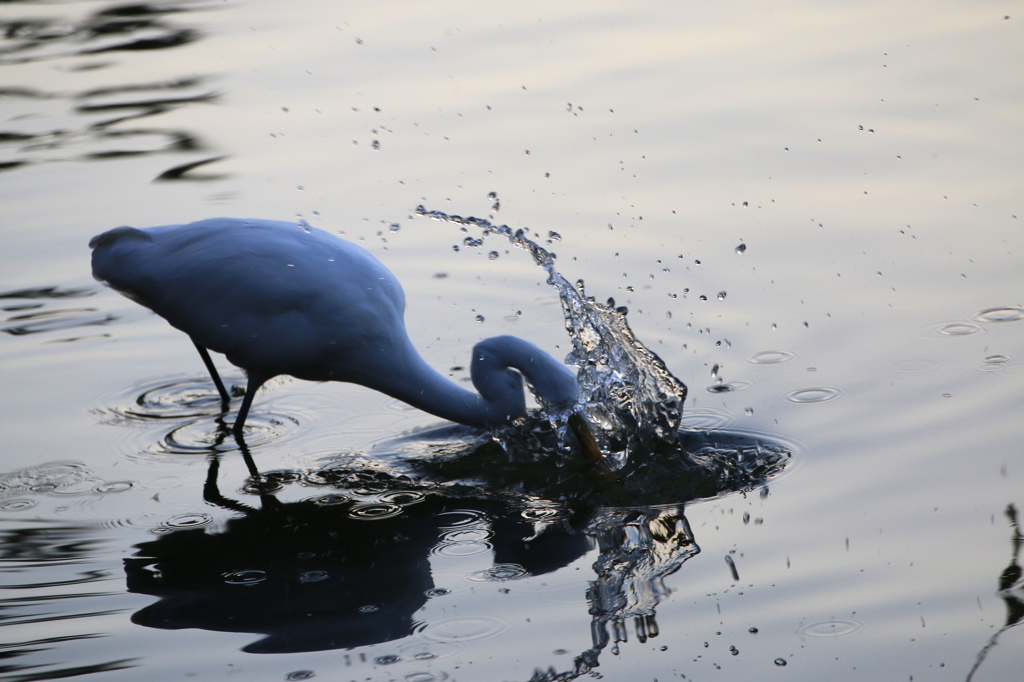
{"x":626,"y":393}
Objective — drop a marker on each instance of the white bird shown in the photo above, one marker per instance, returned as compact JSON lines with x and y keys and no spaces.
{"x":281,"y":298}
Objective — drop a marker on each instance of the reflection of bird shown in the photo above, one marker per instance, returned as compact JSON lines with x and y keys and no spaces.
{"x":281,"y":298}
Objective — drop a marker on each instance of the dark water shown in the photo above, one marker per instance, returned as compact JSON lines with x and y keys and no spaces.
{"x":811,"y":212}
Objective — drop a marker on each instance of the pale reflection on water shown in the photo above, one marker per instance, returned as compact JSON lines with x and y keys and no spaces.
{"x":866,"y":156}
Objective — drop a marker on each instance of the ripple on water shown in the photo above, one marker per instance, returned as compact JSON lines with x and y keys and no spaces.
{"x":375,"y":512}
{"x":818,"y":394}
{"x":250,"y":576}
{"x":705,"y":418}
{"x":729,"y":387}
{"x":770,"y":357}
{"x":210,"y":434}
{"x":825,"y":629}
{"x":185,"y":521}
{"x":17,"y":504}
{"x":913,"y":365}
{"x":425,"y":676}
{"x":463,"y":629}
{"x":498,"y":573}
{"x":459,"y":518}
{"x":463,"y":542}
{"x":1008,"y":314}
{"x":948,"y":329}
{"x":168,"y":399}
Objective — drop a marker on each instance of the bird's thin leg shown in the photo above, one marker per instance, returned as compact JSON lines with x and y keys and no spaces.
{"x":205,"y":355}
{"x":255,"y":381}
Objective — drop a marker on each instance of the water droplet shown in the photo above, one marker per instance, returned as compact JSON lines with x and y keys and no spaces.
{"x":387,"y":659}
{"x":479,"y":318}
{"x":394,"y":227}
{"x":740,"y":248}
{"x":734,"y":651}
{"x":721,"y":295}
{"x":752,"y":631}
{"x":313,"y":576}
{"x":493,"y":255}
{"x":780,"y":661}
{"x":703,"y":297}
{"x":299,"y":675}
{"x":554,"y":236}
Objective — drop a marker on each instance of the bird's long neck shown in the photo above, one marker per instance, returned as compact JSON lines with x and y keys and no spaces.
{"x":421,"y":386}
{"x":498,"y":367}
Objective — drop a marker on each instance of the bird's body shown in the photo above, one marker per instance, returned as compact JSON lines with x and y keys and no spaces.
{"x":281,"y":298}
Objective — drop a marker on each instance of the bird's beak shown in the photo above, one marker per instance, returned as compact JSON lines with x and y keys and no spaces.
{"x":591,"y":450}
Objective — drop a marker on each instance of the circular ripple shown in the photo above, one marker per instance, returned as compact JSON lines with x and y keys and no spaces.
{"x":402,"y":497}
{"x":460,"y":549}
{"x":113,"y":487}
{"x":819,"y":394}
{"x":1010,"y":314}
{"x":330,"y":500}
{"x":188,"y":520}
{"x":705,"y":418}
{"x":770,"y":357}
{"x":958,"y":329}
{"x":461,"y":629}
{"x":245,"y":577}
{"x":543,"y":513}
{"x":48,"y":477}
{"x":426,"y":677}
{"x":314,"y":576}
{"x":209,"y":434}
{"x":825,"y":629}
{"x":459,"y":518}
{"x":17,"y":504}
{"x":170,"y":399}
{"x":375,"y":512}
{"x":498,"y":573}
{"x":729,"y":387}
{"x":913,"y":365}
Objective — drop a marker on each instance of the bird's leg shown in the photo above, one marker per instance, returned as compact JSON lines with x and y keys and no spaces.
{"x":255,"y":381}
{"x":205,"y":355}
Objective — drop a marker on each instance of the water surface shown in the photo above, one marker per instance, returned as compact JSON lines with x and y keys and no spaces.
{"x":812,"y":212}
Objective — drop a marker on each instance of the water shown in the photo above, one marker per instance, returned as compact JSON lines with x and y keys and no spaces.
{"x":848,"y":176}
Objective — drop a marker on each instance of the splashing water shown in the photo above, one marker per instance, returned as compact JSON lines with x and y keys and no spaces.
{"x":626,"y":393}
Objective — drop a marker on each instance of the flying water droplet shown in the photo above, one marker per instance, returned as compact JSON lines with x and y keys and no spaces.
{"x":493,"y":255}
{"x":740,"y":248}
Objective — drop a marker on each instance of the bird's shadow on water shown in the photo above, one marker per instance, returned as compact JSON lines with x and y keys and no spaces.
{"x":350,"y":564}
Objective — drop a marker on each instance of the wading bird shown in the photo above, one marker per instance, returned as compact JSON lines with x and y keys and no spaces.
{"x":283,"y":298}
